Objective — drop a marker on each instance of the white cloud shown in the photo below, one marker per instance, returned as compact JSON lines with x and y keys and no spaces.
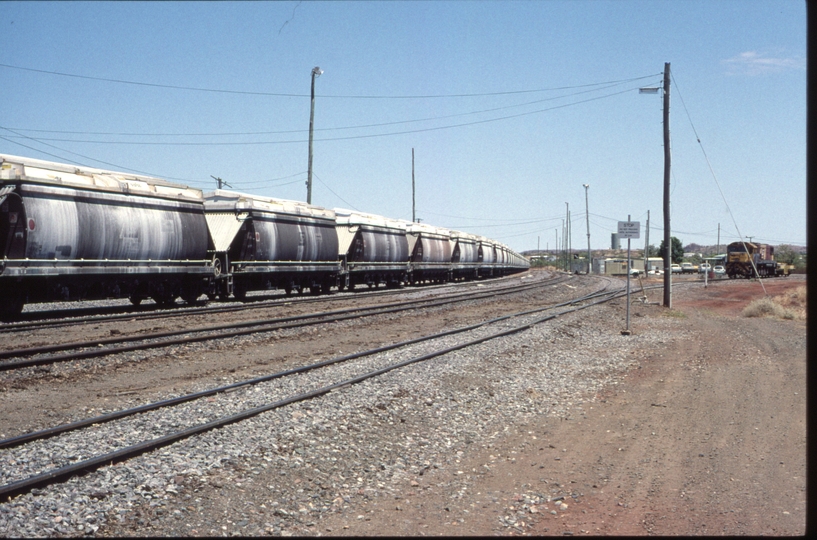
{"x":754,"y":63}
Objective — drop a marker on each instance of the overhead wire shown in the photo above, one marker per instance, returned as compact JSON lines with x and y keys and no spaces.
{"x":282,"y":94}
{"x":326,"y":139}
{"x":715,"y":178}
{"x":348,"y":204}
{"x":282,"y":132}
{"x":122,"y":167}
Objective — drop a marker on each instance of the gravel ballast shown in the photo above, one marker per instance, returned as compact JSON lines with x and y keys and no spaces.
{"x":293,"y":470}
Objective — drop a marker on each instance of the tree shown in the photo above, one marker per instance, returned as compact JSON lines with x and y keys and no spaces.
{"x":786,"y":254}
{"x":677,"y":250}
{"x":790,"y":255}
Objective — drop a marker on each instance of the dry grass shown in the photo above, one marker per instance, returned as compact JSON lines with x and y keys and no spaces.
{"x":791,"y":305}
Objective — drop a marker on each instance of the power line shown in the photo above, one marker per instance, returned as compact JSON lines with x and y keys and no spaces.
{"x":335,"y":194}
{"x":283,"y":132}
{"x":279,"y":94}
{"x":519,"y":221}
{"x":80,"y":155}
{"x":327,"y":139}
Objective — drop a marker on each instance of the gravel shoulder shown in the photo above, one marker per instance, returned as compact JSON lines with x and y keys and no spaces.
{"x":694,"y":424}
{"x":705,"y":435}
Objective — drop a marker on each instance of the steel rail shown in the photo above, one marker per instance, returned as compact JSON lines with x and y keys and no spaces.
{"x":232,"y":330}
{"x":157,"y":311}
{"x":88,"y":465}
{"x":50,"y":432}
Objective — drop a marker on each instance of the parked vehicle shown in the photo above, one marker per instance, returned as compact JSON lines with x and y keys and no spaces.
{"x":704,"y":267}
{"x":688,"y":268}
{"x":675,"y":268}
{"x":719,"y":270}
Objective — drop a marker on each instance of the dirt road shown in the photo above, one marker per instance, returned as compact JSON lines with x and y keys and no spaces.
{"x":706,"y":437}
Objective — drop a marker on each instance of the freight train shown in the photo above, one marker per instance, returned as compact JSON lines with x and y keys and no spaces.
{"x":747,"y":259}
{"x":74,"y":233}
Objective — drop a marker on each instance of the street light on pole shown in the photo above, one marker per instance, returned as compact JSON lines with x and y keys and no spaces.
{"x":316,"y":72}
{"x":587,"y":214}
{"x":667,"y":163}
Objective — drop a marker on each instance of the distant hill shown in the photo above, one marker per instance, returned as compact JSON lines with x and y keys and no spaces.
{"x":698,"y":248}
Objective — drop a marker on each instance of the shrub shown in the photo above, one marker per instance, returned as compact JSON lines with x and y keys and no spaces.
{"x":791,"y":305}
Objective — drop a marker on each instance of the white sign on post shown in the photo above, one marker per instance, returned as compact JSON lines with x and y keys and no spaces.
{"x":629,"y":229}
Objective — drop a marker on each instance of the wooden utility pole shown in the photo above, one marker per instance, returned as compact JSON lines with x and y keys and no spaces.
{"x":220,"y":182}
{"x":667,"y":159}
{"x":316,"y":72}
{"x":413,"y":216}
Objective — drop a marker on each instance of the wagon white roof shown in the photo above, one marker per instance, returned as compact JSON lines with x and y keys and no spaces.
{"x":425,"y":229}
{"x":459,"y":235}
{"x":16,"y":168}
{"x":352,"y":217}
{"x":233,"y":201}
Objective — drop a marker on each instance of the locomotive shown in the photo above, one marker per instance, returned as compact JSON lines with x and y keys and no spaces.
{"x":747,"y":259}
{"x":73,"y":233}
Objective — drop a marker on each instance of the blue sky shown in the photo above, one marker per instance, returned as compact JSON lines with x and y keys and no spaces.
{"x":509,"y":106}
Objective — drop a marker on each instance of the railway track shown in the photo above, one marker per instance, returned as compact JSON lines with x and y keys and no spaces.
{"x":48,"y":319}
{"x":49,"y":354}
{"x":113,"y":437}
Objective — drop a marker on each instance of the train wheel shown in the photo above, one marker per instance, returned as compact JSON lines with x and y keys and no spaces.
{"x":240,"y":292}
{"x":191,"y":292}
{"x":164,"y":299}
{"x":12,"y":306}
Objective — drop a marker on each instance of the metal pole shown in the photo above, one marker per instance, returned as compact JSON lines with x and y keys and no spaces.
{"x":628,"y":281}
{"x":413,"y":217}
{"x":316,"y":72}
{"x":587,"y":214}
{"x":567,"y":237}
{"x":569,"y":242}
{"x":706,"y":275}
{"x":564,"y":251}
{"x":667,"y":159}
{"x":647,"y":245}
